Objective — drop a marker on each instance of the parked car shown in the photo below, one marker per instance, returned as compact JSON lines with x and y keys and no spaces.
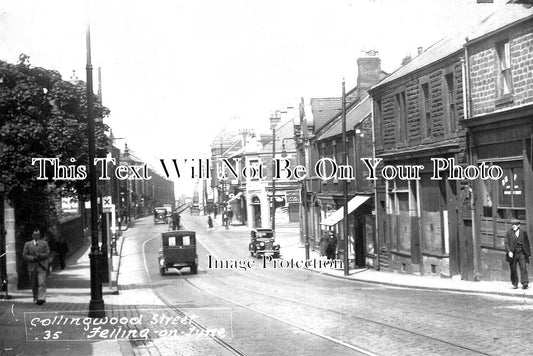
{"x":263,"y":243}
{"x":160,"y":215}
{"x":178,"y":250}
{"x":194,"y":209}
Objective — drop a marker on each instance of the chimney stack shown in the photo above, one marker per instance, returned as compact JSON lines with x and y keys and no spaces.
{"x":420,"y":50}
{"x":369,"y":72}
{"x":406,"y":59}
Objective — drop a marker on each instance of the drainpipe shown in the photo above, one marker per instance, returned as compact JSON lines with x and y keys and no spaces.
{"x":374,"y":183}
{"x":467,"y":114}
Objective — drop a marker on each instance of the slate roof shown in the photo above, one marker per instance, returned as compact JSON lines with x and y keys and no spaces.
{"x":354,"y":116}
{"x":454,"y":42}
{"x":283,"y":130}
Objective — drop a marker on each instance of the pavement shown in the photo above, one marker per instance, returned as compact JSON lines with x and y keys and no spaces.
{"x":69,"y":292}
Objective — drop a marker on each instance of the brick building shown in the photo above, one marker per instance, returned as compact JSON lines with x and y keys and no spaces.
{"x":454,"y":225}
{"x":320,"y":137}
{"x":423,"y":228}
{"x":500,"y":122}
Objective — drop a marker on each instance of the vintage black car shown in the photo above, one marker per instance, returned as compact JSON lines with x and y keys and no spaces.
{"x":263,"y":243}
{"x":160,"y":215}
{"x":178,"y":250}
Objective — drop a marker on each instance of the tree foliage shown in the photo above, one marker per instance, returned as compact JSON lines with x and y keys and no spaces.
{"x":42,"y":116}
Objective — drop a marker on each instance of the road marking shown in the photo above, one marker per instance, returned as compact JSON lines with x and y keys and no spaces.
{"x":13,"y":311}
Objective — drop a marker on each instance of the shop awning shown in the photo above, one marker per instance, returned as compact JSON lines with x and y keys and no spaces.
{"x":235,"y":197}
{"x":338,"y":215}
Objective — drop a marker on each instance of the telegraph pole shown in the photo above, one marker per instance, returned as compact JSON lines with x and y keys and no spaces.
{"x":345,"y":184}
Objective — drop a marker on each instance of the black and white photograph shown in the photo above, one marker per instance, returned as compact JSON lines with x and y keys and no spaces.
{"x":266,"y":177}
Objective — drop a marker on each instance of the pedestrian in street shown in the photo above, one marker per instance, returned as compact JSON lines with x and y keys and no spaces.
{"x":36,"y":253}
{"x":332,"y":246}
{"x":518,"y":252}
{"x":62,"y":250}
{"x":175,"y":220}
{"x":230,"y":216}
{"x":209,"y":221}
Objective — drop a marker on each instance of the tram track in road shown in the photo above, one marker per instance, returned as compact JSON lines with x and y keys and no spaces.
{"x":452,"y":344}
{"x":340,"y":342}
{"x":459,"y":349}
{"x":221,"y":342}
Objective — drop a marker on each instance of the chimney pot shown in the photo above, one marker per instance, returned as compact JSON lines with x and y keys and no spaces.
{"x":406,"y":60}
{"x":420,"y":50}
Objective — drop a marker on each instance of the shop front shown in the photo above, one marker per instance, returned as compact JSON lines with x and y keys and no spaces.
{"x":502,"y":140}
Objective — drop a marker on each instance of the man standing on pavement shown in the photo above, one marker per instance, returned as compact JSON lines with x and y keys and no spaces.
{"x":36,"y":252}
{"x":518,"y":252}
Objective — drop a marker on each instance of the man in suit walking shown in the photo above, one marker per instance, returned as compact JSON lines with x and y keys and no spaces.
{"x":518,"y":252}
{"x":36,"y":252}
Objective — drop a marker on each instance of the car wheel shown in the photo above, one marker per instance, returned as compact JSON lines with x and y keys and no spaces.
{"x":194,"y":268}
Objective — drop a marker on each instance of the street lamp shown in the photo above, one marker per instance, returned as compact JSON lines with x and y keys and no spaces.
{"x":274,"y":121}
{"x":96,"y":305}
{"x":128,"y":197}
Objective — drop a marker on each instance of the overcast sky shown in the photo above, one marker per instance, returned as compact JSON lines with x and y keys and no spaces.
{"x":174,"y":72}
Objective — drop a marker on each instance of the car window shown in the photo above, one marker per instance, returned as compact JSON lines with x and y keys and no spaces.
{"x":186,"y":240}
{"x":172,"y":240}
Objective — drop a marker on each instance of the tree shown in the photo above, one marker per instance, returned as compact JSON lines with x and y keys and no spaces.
{"x":41,"y":116}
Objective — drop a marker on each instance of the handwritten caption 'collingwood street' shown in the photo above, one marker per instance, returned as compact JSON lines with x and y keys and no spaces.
{"x":146,"y":325}
{"x":325,"y":169}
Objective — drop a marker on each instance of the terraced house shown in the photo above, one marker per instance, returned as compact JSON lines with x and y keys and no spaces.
{"x":437,"y":226}
{"x":500,"y":123}
{"x":417,"y":111}
{"x":323,"y":199}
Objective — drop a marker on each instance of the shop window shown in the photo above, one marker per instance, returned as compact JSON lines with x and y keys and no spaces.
{"x":402,"y":205}
{"x":433,"y":214}
{"x":511,"y":202}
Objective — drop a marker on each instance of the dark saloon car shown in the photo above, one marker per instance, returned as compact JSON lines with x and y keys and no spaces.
{"x":263,"y":243}
{"x":160,"y":215}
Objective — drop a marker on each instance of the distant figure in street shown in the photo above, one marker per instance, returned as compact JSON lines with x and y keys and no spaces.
{"x":175,"y":217}
{"x":62,"y":250}
{"x":36,"y":253}
{"x":225,"y":220}
{"x":230,"y":216}
{"x":331,"y":246}
{"x":518,"y":252}
{"x":209,"y":222}
{"x":215,"y":210}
